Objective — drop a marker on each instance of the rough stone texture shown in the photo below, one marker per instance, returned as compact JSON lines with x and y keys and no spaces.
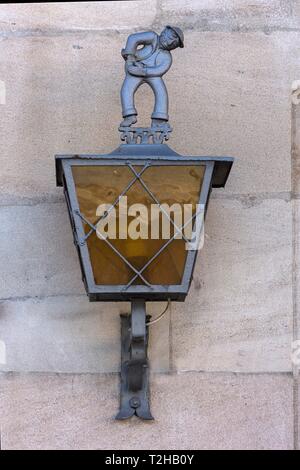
{"x":297,"y":421}
{"x":296,"y":8}
{"x":218,"y":99}
{"x":247,"y":77}
{"x":76,"y":412}
{"x":70,"y":16}
{"x":237,"y":15}
{"x":297,"y":273}
{"x":58,"y":87}
{"x":238,"y":315}
{"x":69,"y":334}
{"x":296,"y":147}
{"x":296,"y":228}
{"x":37,"y":250}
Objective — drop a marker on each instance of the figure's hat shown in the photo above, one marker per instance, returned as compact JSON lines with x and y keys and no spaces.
{"x":179,"y":33}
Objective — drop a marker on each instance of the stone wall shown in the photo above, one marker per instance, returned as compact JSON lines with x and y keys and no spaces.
{"x":222,"y":375}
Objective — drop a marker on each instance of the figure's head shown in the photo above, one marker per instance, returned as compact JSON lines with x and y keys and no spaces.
{"x":171,"y":37}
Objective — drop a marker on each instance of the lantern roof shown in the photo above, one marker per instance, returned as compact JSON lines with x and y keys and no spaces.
{"x":222,"y":165}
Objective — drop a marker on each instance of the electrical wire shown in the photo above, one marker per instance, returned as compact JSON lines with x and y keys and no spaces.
{"x":151,"y":322}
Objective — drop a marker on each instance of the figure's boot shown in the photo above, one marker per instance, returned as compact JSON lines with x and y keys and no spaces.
{"x":162,"y":124}
{"x":128,"y":121}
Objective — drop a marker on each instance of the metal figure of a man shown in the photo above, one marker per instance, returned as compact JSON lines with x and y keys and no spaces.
{"x":148,"y":58}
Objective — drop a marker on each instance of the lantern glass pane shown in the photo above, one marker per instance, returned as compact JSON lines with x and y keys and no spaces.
{"x":139,"y":228}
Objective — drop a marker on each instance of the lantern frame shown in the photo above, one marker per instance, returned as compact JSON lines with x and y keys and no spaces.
{"x":215,"y":175}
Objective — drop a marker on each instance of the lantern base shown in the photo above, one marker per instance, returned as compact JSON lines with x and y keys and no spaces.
{"x":155,"y":134}
{"x":134,"y":397}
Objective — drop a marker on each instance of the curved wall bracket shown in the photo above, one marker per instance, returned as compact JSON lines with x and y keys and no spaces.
{"x":134,"y":365}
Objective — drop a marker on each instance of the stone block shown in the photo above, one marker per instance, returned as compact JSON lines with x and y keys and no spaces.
{"x":191,"y":410}
{"x":296,"y":141}
{"x":238,"y":315}
{"x":237,"y":15}
{"x":72,"y":335}
{"x":65,"y":17}
{"x":37,"y":253}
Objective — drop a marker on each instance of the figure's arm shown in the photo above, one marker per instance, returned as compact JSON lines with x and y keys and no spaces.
{"x":136,"y":39}
{"x":164,"y":62}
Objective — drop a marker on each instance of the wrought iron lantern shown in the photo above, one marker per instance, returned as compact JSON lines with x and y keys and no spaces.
{"x":132,"y":190}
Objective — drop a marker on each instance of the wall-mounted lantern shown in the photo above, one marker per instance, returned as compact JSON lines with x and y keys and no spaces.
{"x":137,"y":213}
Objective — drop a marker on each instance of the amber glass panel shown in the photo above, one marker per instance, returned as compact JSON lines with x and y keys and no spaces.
{"x":97,"y":185}
{"x":170,"y":184}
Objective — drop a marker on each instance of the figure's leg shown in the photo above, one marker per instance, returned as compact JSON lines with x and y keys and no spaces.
{"x":129,"y":87}
{"x":160,"y":112}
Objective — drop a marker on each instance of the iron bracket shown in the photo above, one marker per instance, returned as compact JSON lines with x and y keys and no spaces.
{"x":134,"y":397}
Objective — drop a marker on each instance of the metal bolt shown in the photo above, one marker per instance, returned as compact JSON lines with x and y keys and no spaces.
{"x":134,"y":402}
